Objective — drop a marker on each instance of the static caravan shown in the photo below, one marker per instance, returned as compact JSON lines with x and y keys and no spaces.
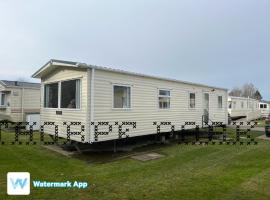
{"x":19,"y":101}
{"x":264,"y":108}
{"x":113,"y":104}
{"x":239,"y":107}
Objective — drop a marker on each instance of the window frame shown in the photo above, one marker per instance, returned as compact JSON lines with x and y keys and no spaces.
{"x":218,"y":96}
{"x":44,"y":85}
{"x":59,"y":94}
{"x":158,"y":96}
{"x":234,"y":104}
{"x":122,"y":85}
{"x":229,"y":104}
{"x":194,"y":99}
{"x":242,"y":105}
{"x":4,"y":104}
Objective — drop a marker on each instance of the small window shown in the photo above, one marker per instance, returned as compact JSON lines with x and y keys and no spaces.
{"x":261,"y":105}
{"x":219,"y":101}
{"x":242,"y":104}
{"x":164,"y":99}
{"x":2,"y":99}
{"x":70,"y":94}
{"x":192,"y":101}
{"x":230,"y":105}
{"x":234,"y":104}
{"x":51,"y":95}
{"x":121,"y":97}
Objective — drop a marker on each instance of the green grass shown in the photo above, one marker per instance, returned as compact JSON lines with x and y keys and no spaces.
{"x":261,"y":123}
{"x":186,"y":172}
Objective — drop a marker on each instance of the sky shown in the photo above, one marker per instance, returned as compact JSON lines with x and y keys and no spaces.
{"x":224,"y":43}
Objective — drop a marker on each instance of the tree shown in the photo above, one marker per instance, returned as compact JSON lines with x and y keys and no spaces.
{"x":247,"y":90}
{"x":236,"y":91}
{"x":258,"y":95}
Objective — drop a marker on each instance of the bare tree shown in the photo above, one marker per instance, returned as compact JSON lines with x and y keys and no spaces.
{"x":247,"y":90}
{"x":236,"y":91}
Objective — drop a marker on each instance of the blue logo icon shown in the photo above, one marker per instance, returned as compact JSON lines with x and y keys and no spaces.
{"x":19,"y":182}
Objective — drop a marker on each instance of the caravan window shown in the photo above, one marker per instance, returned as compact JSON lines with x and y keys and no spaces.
{"x":121,"y":97}
{"x":263,"y":105}
{"x":230,"y":105}
{"x":192,"y":101}
{"x":2,"y":99}
{"x":219,"y":101}
{"x":70,"y":94}
{"x":164,"y":99}
{"x":51,"y":95}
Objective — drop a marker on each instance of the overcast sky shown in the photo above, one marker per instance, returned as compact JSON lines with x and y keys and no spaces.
{"x":217,"y":42}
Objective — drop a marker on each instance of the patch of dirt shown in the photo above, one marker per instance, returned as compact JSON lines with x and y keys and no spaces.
{"x":147,"y":156}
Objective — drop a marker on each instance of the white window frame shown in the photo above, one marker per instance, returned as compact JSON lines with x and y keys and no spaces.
{"x":59,"y":94}
{"x":158,"y":96}
{"x":189,"y":107}
{"x":242,"y":105}
{"x":44,"y":85}
{"x":234,"y":104}
{"x":229,"y":103}
{"x":121,"y":85}
{"x":221,"y":101}
{"x":1,"y":100}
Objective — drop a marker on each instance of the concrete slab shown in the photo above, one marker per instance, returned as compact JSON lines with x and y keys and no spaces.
{"x":147,"y":156}
{"x":59,"y":150}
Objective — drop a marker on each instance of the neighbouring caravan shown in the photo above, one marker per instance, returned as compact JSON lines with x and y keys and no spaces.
{"x":264,"y":108}
{"x":112,"y":104}
{"x":239,"y":107}
{"x":18,"y":100}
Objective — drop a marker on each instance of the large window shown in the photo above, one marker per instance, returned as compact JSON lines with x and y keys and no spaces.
{"x":70,"y":94}
{"x":51,"y":95}
{"x":164,"y":99}
{"x":121,"y":97}
{"x":2,"y":99}
{"x":263,"y":105}
{"x":192,"y":100}
{"x":219,"y":101}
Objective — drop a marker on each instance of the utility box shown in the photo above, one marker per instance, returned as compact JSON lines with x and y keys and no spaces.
{"x":31,"y":119}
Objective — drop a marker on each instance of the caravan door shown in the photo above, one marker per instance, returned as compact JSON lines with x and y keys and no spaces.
{"x":206,"y":107}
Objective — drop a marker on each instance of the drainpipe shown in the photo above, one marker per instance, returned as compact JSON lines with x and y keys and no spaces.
{"x":92,"y":103}
{"x":22,"y":103}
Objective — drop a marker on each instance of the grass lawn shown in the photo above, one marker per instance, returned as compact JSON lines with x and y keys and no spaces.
{"x":261,"y":123}
{"x":186,"y":172}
